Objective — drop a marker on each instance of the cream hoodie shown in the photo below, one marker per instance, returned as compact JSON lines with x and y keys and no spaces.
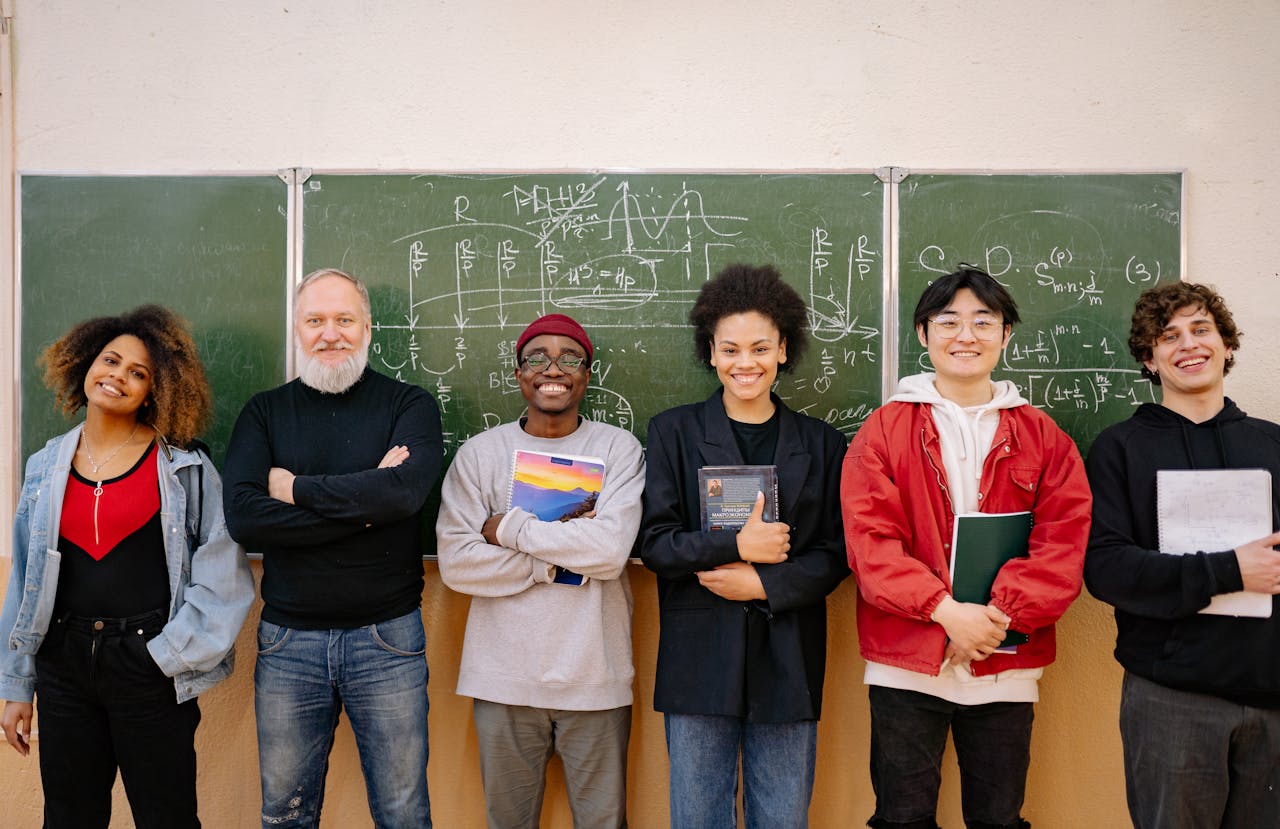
{"x":964,"y":433}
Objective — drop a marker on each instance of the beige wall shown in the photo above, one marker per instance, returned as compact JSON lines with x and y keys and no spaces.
{"x":1076,"y":778}
{"x":1006,"y":84}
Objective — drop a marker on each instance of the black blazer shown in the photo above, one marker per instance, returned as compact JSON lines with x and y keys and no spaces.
{"x":764,"y":661}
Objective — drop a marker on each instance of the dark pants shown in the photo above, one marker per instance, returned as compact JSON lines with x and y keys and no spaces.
{"x":908,"y":736}
{"x":104,"y":704}
{"x":1192,"y":760}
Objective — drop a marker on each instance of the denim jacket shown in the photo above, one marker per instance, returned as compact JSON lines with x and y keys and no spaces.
{"x":210,"y":585}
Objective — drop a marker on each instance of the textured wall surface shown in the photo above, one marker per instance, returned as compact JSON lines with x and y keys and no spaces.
{"x":486,"y":85}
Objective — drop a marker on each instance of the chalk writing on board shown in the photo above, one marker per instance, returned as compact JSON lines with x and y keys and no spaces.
{"x":626,"y":256}
{"x":1057,"y":266}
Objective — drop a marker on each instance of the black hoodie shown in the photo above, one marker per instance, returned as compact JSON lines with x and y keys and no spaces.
{"x":1160,"y":636}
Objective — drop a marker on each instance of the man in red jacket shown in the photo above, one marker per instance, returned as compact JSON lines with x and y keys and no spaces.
{"x":948,"y":443}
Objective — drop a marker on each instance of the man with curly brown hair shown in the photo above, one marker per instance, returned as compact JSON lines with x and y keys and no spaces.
{"x":1200,"y":706}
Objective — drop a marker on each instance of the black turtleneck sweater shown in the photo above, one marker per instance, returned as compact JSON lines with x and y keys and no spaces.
{"x":1160,"y":635}
{"x":348,"y":552}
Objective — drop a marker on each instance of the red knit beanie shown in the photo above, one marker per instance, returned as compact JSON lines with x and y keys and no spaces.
{"x":555,"y":324}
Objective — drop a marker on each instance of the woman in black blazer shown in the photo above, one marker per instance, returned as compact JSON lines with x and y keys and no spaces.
{"x":742,"y":649}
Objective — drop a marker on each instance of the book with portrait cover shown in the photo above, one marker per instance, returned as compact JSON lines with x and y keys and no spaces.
{"x":727,"y":495}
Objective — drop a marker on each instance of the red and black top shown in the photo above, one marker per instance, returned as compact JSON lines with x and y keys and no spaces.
{"x":112,"y":545}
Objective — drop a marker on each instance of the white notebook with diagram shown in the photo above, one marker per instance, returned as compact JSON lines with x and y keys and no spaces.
{"x":1212,"y":510}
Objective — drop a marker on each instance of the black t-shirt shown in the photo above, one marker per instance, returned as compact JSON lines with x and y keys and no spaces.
{"x":757,"y":441}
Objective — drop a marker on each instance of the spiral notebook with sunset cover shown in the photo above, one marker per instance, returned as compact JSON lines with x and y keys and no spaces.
{"x":555,"y":487}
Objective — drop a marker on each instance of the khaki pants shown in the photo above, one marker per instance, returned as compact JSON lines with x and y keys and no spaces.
{"x":517,"y":741}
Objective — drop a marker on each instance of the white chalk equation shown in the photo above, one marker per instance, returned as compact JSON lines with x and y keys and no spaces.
{"x":1064,"y":256}
{"x":1069,"y":368}
{"x":626,"y":256}
{"x":1075,"y":286}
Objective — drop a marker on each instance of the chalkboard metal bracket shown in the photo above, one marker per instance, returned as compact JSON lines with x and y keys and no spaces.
{"x":892,"y":175}
{"x":294,"y":178}
{"x":294,"y":175}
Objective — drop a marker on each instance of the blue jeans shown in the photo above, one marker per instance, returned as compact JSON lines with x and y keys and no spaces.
{"x":777,"y":771}
{"x":1192,"y":760}
{"x":304,"y":679}
{"x":908,"y":736}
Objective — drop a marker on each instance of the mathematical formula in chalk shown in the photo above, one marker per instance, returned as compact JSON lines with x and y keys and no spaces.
{"x":626,"y":257}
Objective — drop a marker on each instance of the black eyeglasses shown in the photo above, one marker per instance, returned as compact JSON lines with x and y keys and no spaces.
{"x":568,"y":363}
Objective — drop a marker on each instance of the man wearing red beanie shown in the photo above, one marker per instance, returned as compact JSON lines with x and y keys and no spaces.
{"x":562,"y":325}
{"x":547,"y":654}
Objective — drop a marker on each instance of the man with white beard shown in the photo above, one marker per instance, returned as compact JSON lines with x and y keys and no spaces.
{"x":326,"y":477}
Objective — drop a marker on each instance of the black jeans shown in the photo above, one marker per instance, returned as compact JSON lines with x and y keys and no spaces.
{"x":908,"y":736}
{"x":104,"y":704}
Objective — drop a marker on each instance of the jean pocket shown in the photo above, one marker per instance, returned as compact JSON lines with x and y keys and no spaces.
{"x":271,"y":637}
{"x":137,"y":660}
{"x":403,"y":637}
{"x":54,"y":640}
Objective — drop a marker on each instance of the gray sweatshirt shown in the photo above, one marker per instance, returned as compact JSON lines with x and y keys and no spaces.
{"x":530,"y":641}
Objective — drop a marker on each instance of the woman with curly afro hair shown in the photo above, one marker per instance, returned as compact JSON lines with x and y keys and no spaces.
{"x":742,"y":648}
{"x":126,"y":593}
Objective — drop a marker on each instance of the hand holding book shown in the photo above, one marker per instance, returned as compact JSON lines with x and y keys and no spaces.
{"x":763,"y":542}
{"x":1259,"y":564}
{"x":975,"y":630}
{"x":1219,"y":509}
{"x":554,"y":488}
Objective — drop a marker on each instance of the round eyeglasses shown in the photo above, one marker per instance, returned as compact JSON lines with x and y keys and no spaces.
{"x":568,"y":363}
{"x":985,"y":328}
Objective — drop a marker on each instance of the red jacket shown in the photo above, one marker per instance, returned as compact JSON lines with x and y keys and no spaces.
{"x":898,"y":521}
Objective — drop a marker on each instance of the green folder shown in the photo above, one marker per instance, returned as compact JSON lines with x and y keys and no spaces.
{"x":981,"y":544}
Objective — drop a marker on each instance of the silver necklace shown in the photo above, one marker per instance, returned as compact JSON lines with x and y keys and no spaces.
{"x":97,"y":490}
{"x":84,"y":441}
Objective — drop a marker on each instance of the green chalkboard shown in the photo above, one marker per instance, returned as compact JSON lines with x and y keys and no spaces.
{"x":1074,"y":251}
{"x":458,"y":265}
{"x":212,"y":248}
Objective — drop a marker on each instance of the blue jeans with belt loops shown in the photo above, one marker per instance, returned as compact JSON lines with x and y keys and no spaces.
{"x":304,"y":679}
{"x":778,"y":762}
